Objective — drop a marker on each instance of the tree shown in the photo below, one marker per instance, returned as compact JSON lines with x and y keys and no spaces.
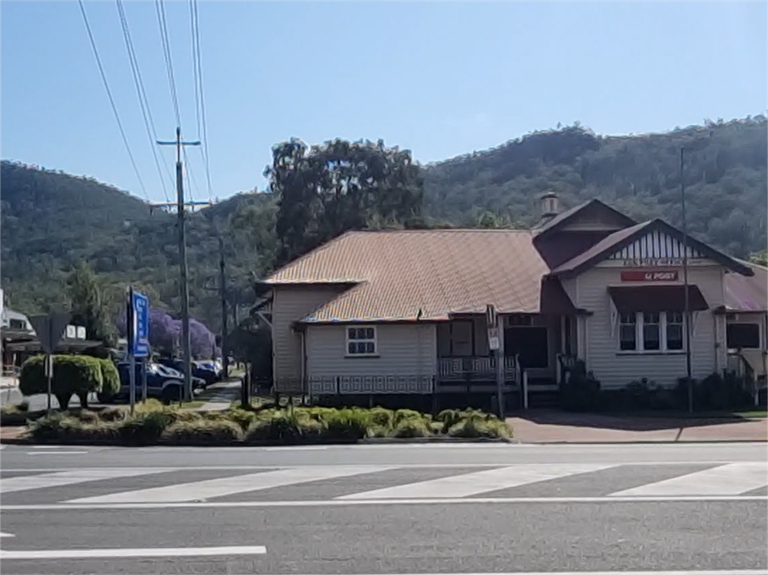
{"x":88,"y":304}
{"x":323,"y":191}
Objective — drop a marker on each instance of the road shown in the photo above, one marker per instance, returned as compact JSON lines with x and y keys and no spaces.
{"x":387,"y":509}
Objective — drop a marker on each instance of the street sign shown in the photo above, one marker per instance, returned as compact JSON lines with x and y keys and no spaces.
{"x":140,"y":329}
{"x":493,"y":339}
{"x":49,"y":329}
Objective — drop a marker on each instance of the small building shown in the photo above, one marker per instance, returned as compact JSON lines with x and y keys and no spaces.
{"x":406,"y":312}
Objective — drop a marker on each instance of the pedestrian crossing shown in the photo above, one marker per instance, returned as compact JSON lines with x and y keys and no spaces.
{"x":366,"y":483}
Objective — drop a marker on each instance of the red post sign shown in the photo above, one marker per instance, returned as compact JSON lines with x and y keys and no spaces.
{"x":649,"y":276}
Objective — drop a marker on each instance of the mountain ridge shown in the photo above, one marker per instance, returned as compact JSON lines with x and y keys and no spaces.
{"x":50,"y":219}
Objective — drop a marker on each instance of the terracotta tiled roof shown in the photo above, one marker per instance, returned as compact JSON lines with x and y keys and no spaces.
{"x":439,"y":272}
{"x":747,"y":294}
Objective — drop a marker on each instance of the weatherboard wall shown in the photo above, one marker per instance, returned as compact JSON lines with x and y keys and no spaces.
{"x":290,"y":304}
{"x":405,"y":360}
{"x":615,"y":368}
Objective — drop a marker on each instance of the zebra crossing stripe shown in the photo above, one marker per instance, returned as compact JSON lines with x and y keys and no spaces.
{"x":730,"y":479}
{"x":469,"y":484}
{"x":202,"y":490}
{"x":62,"y":478}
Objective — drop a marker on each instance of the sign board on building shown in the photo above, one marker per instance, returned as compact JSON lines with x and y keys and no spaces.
{"x":493,"y":339}
{"x":139,"y":336}
{"x":649,"y":276}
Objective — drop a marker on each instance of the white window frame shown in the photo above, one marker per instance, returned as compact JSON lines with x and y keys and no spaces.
{"x":639,"y":335}
{"x":373,"y":340}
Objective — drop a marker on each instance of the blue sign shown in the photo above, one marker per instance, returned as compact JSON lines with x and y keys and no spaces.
{"x":140,"y":334}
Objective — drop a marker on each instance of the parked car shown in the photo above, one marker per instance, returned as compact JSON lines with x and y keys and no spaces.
{"x":208,"y":375}
{"x":161,"y":384}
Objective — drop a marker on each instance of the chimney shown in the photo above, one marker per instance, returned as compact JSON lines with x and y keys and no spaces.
{"x":550,"y":206}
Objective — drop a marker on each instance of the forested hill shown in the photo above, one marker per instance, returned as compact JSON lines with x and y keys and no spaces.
{"x":725,"y":177}
{"x":50,"y":220}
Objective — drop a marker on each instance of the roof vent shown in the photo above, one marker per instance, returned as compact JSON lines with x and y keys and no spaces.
{"x":550,"y":206}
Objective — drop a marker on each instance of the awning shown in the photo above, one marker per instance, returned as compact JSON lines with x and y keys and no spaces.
{"x":657,"y":298}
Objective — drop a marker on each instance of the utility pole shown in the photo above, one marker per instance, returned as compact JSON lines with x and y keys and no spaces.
{"x":686,"y":302}
{"x":224,"y":314}
{"x":180,"y":205}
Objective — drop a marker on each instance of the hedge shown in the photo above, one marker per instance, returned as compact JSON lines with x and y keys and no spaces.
{"x":153,"y":423}
{"x":72,"y":375}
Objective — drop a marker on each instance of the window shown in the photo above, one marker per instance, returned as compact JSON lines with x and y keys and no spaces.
{"x":742,"y":336}
{"x":674,"y":331}
{"x":361,"y":341}
{"x":628,"y":332}
{"x":651,"y":331}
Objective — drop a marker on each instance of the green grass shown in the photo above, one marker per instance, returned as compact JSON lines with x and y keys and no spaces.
{"x":758,"y":413}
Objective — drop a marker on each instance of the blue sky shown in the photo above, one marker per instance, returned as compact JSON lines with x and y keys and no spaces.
{"x":438,"y":78}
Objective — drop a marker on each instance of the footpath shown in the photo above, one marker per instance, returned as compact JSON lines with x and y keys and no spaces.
{"x":561,"y":427}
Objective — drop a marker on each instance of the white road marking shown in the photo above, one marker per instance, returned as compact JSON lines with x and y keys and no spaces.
{"x":220,"y":487}
{"x":56,"y":452}
{"x":731,"y":479}
{"x":130,"y":553}
{"x":7,"y":535}
{"x":689,"y":572}
{"x":69,"y":506}
{"x":469,"y":484}
{"x":28,"y":482}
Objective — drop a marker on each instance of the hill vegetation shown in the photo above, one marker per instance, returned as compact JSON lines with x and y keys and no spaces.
{"x":52,"y":220}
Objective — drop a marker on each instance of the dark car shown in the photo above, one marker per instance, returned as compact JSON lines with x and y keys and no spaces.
{"x":161,"y":384}
{"x":208,"y":375}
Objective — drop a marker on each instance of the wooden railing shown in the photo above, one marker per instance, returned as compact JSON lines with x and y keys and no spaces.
{"x":474,"y":368}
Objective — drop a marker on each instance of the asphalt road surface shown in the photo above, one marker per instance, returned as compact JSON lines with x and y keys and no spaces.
{"x":387,"y":509}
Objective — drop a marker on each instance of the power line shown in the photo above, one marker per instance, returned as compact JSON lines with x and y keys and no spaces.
{"x":160,"y":9}
{"x":143,"y":101}
{"x":111,"y":99}
{"x":199,"y":92}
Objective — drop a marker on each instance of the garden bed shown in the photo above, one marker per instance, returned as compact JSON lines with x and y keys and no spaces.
{"x":155,"y":424}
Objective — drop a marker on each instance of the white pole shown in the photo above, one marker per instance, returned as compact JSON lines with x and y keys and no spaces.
{"x":49,"y":373}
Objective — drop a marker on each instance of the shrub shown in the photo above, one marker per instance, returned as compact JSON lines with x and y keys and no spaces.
{"x":242,"y":417}
{"x":412,"y":427}
{"x":382,"y":417}
{"x":183,"y":415}
{"x":581,"y":392}
{"x":378,"y":431}
{"x":72,"y":375}
{"x":113,"y":414}
{"x":402,"y":414}
{"x":290,"y":426}
{"x":62,"y":427}
{"x":86,"y":416}
{"x":449,"y":418}
{"x":144,"y":428}
{"x":347,"y":424}
{"x":203,"y":432}
{"x":474,"y":427}
{"x":110,"y":378}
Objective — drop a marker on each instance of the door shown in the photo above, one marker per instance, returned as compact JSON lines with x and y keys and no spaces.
{"x":461,"y":338}
{"x":530,"y":343}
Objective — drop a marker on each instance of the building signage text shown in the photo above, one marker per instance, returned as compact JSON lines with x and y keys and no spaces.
{"x":652,"y":262}
{"x":649,"y":276}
